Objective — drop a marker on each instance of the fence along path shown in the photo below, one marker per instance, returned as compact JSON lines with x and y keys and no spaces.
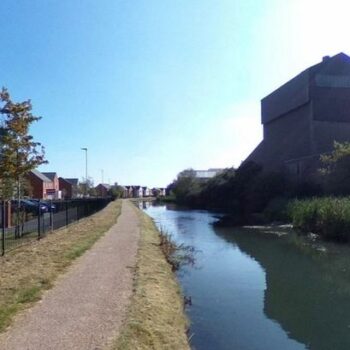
{"x":35,"y":225}
{"x":86,"y":307}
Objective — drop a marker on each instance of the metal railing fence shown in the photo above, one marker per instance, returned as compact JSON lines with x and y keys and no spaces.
{"x":35,"y":222}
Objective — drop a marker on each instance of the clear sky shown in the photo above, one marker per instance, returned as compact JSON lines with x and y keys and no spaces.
{"x":152,"y":87}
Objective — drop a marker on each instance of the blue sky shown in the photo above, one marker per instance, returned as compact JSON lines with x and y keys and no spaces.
{"x":154,"y":87}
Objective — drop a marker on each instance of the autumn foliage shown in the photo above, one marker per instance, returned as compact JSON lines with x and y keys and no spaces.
{"x":19,"y":152}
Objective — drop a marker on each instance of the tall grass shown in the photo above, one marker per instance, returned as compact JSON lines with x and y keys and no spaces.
{"x":328,"y":217}
{"x":175,"y":254}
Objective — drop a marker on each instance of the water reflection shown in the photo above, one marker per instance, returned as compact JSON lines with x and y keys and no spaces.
{"x":144,"y":204}
{"x":304,"y":293}
{"x":255,"y":290}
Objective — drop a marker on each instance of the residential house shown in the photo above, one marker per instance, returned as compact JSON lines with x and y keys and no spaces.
{"x":75,"y":186}
{"x":54,"y":192}
{"x":146,"y":192}
{"x":102,"y":190}
{"x":303,"y":118}
{"x":129,"y":192}
{"x":41,"y":186}
{"x":137,"y":191}
{"x":68,"y":187}
{"x":158,"y":192}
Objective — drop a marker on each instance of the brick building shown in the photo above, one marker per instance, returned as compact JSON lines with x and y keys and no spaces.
{"x":303,"y":118}
{"x":68,"y":187}
{"x":54,"y":178}
{"x":102,"y":190}
{"x":43,"y":185}
{"x":40,"y":184}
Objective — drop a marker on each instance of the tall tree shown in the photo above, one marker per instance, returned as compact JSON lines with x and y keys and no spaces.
{"x":19,"y":152}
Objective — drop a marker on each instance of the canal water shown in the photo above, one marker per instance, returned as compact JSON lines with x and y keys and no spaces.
{"x":260,"y":288}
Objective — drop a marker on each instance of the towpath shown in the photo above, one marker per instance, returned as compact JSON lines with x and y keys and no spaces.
{"x":86,"y":307}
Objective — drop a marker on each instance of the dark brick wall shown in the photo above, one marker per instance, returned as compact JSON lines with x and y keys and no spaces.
{"x":289,"y":137}
{"x":325,"y":133}
{"x":101,"y":191}
{"x":288,"y":97}
{"x":65,"y":187}
{"x":285,"y":139}
{"x":37,"y":186}
{"x":331,"y":104}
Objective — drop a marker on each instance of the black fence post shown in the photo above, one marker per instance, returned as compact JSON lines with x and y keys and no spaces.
{"x":78,"y":209}
{"x":51,"y":216}
{"x":39,"y":223}
{"x":3,"y":228}
{"x":66,"y":213}
{"x":43,"y":215}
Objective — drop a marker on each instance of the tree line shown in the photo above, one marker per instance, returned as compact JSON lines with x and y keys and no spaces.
{"x":252,"y":195}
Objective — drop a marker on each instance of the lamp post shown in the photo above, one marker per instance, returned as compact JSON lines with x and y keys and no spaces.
{"x":86,"y":169}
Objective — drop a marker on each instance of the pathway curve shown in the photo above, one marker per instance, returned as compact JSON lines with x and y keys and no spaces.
{"x":86,"y":307}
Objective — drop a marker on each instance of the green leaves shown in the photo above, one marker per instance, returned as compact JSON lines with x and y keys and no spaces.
{"x":336,"y":169}
{"x":19,"y":152}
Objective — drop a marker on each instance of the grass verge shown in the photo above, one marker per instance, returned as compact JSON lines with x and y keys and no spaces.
{"x":29,"y":270}
{"x":156,"y":318}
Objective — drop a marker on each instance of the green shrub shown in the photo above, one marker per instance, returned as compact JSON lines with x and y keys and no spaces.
{"x":328,"y":217}
{"x":276,"y":209}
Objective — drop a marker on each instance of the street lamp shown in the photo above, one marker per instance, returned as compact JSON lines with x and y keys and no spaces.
{"x":86,"y":169}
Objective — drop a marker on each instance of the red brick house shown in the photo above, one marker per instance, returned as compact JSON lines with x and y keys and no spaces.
{"x":102,"y":190}
{"x":68,"y":187}
{"x":40,"y":184}
{"x":54,"y":178}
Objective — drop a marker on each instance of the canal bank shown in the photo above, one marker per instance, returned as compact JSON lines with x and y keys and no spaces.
{"x":156,"y":318}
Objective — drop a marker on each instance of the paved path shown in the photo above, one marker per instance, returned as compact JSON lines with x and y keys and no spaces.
{"x":86,"y":307}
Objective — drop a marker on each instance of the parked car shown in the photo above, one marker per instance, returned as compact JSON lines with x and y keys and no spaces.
{"x":24,"y":205}
{"x":50,"y":206}
{"x":45,"y":206}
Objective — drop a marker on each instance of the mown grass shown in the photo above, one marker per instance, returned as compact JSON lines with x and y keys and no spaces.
{"x":156,"y":318}
{"x":29,"y":270}
{"x":328,"y":217}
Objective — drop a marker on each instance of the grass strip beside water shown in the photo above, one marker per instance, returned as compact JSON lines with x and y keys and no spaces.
{"x":29,"y":270}
{"x":328,"y":217}
{"x":156,"y":318}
